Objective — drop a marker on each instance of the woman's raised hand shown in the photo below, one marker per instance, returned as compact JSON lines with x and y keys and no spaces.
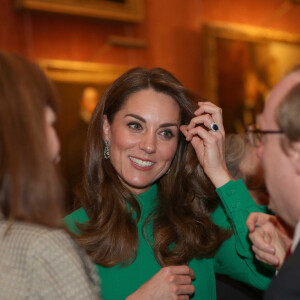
{"x":208,"y":142}
{"x":174,"y":282}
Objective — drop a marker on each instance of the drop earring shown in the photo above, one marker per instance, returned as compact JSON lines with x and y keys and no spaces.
{"x":106,"y":149}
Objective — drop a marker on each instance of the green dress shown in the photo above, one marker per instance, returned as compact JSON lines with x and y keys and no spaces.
{"x":234,"y":258}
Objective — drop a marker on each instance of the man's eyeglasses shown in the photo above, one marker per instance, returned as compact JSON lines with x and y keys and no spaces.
{"x":256,"y":135}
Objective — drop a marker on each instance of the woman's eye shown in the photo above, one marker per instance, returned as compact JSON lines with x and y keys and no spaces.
{"x":135,"y":126}
{"x":167,"y":134}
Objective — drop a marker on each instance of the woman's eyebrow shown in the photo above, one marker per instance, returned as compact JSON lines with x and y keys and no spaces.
{"x":144,"y":121}
{"x":168,"y":125}
{"x":137,"y":117}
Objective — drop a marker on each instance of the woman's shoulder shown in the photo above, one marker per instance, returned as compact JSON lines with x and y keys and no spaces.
{"x":77,"y":216}
{"x":26,"y":240}
{"x":64,"y":267}
{"x":55,"y":265}
{"x":27,"y":233}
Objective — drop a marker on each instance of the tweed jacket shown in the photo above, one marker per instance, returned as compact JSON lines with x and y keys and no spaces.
{"x":41,"y":263}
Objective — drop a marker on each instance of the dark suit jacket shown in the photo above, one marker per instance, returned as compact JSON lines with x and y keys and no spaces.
{"x":286,"y":285}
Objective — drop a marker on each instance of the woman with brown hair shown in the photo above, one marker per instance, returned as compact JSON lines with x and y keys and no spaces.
{"x":149,"y":217}
{"x":38,"y":259}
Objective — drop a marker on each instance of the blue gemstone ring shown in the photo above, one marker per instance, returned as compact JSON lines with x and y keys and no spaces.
{"x":214,"y":127}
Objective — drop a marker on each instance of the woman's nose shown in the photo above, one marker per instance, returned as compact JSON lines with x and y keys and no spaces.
{"x":148,"y":143}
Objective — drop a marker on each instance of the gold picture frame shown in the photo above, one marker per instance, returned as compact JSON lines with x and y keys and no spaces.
{"x":81,"y":72}
{"x":70,"y":79}
{"x":233,"y":53}
{"x":126,"y":10}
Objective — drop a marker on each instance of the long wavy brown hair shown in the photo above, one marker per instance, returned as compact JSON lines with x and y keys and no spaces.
{"x":186,"y":196}
{"x":29,"y":187}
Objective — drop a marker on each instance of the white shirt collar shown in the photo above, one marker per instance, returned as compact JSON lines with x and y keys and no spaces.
{"x":296,"y":238}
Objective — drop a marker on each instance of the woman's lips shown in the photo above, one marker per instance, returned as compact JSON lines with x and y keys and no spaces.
{"x":144,"y":164}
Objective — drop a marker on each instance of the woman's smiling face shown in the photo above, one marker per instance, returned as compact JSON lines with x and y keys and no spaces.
{"x":143,"y":138}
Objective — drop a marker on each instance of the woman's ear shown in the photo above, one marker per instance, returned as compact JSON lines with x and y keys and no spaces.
{"x":106,"y":128}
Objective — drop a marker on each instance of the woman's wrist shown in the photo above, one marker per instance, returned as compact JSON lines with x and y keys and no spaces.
{"x":131,"y":297}
{"x":136,"y":295}
{"x":221,"y":178}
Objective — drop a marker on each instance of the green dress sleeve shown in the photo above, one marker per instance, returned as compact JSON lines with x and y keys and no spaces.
{"x":235,"y":257}
{"x":78,"y":216}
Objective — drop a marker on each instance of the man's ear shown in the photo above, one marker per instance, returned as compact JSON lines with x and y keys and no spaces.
{"x":106,"y":128}
{"x":294,"y":153}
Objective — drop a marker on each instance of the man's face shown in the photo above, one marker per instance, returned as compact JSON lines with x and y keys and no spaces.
{"x":279,"y":171}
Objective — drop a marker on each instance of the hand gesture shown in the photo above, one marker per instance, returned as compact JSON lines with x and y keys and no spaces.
{"x":209,"y":141}
{"x":174,"y":282}
{"x":270,"y":240}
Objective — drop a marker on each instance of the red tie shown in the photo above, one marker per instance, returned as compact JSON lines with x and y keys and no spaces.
{"x":288,"y":252}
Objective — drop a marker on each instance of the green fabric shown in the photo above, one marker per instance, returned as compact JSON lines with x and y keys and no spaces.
{"x":234,"y":257}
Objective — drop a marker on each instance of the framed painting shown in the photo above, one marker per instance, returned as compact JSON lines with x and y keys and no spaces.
{"x":79,"y":86}
{"x":70,"y":79}
{"x":242,"y":64}
{"x":120,"y":10}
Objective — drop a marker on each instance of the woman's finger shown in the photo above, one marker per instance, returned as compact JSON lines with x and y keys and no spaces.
{"x":186,"y":290}
{"x":181,"y":279}
{"x":213,"y":110}
{"x":203,"y":134}
{"x":181,"y":270}
{"x":183,"y":129}
{"x":205,"y":119}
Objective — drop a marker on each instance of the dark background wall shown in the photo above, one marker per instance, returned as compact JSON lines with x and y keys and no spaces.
{"x":171,"y":29}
